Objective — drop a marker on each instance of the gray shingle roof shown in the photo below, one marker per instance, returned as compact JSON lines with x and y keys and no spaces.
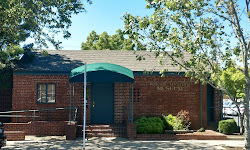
{"x":66,"y":60}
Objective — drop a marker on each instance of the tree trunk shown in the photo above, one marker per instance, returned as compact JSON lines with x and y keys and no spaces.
{"x":241,"y":123}
{"x":246,"y":115}
{"x":241,"y":118}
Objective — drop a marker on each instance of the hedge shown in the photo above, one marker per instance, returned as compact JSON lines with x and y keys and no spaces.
{"x":151,"y":125}
{"x":228,"y":126}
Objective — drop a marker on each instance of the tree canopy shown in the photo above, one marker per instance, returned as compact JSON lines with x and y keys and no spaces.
{"x":110,"y":42}
{"x":214,"y":32}
{"x":38,"y":19}
{"x":234,"y":81}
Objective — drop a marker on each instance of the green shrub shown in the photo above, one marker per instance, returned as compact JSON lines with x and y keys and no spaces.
{"x":172,"y":123}
{"x":177,"y":125}
{"x":228,"y":126}
{"x":151,"y":125}
{"x":167,"y":125}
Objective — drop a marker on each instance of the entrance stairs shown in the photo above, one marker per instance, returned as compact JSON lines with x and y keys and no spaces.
{"x":107,"y":130}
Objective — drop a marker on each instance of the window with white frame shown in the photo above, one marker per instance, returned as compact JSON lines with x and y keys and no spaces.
{"x":46,"y":93}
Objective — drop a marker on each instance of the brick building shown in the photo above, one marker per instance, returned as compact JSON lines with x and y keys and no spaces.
{"x":44,"y":84}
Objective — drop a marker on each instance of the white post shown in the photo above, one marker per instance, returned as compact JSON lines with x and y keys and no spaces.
{"x":84,"y":114}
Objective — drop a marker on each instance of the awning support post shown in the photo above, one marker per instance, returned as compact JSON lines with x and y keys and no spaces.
{"x":84,"y":114}
{"x":70,"y":103}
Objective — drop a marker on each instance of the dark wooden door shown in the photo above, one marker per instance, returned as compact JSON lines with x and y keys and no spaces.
{"x":102,"y":97}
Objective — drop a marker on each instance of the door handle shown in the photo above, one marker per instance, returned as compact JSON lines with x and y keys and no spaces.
{"x":93,"y":104}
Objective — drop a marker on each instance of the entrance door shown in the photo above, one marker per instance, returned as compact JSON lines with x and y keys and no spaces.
{"x":210,"y":103}
{"x":102,"y":97}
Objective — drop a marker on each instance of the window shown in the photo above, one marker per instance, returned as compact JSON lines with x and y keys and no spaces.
{"x":46,"y":93}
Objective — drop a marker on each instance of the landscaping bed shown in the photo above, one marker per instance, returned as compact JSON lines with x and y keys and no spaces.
{"x":207,"y":135}
{"x":169,"y":128}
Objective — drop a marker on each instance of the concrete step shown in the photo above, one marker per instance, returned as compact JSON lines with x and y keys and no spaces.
{"x":111,"y":130}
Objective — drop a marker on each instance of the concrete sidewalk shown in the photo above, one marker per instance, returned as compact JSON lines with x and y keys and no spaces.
{"x":59,"y":142}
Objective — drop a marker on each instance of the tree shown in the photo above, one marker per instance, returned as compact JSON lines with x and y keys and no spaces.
{"x":213,"y":32}
{"x":38,"y":19}
{"x":116,"y":40}
{"x":103,"y":41}
{"x":234,"y":81}
{"x":110,"y":42}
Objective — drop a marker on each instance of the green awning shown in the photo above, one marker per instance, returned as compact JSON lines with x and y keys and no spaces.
{"x":102,"y":72}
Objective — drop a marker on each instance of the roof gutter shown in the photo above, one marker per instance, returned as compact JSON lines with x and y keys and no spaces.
{"x":40,"y":73}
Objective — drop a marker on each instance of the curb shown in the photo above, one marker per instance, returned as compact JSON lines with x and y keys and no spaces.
{"x":235,"y":138}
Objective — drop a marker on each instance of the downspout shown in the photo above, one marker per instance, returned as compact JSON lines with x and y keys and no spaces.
{"x":201,"y":104}
{"x":132,"y":99}
{"x":130,"y":108}
{"x":84,"y":111}
{"x":221,"y":107}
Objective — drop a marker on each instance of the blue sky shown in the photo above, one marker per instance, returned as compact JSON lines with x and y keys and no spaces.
{"x":101,"y":15}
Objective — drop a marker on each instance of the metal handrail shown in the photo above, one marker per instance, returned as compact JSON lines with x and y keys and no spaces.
{"x":7,"y":112}
{"x":34,"y":112}
{"x":17,"y":116}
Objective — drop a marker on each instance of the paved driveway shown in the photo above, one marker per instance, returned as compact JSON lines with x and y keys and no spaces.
{"x":59,"y":142}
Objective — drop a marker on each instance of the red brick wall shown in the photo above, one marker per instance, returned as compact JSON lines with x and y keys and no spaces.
{"x":121,"y":102}
{"x":71,"y":130}
{"x":38,"y":127}
{"x":15,"y":135}
{"x":25,"y":97}
{"x":131,"y":131}
{"x":215,"y":136}
{"x":217,"y":105}
{"x":168,"y":95}
{"x":153,"y":96}
{"x":16,"y":126}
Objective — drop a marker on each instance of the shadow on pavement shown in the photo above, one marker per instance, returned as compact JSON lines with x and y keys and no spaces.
{"x":112,"y":143}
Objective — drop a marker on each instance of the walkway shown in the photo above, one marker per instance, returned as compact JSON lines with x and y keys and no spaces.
{"x":59,"y":142}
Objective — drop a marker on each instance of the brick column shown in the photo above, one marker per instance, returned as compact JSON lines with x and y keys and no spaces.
{"x":131,"y":131}
{"x":71,"y":130}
